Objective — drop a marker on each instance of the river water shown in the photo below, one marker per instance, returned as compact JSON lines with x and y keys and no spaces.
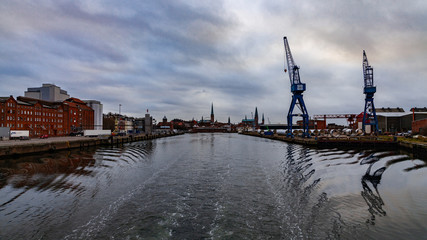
{"x":214,"y":186}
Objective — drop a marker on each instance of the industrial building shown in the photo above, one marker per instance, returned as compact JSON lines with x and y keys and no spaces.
{"x":98,"y":112}
{"x":48,"y":92}
{"x":165,"y":126}
{"x":52,"y":93}
{"x":394,"y":120}
{"x":122,"y":124}
{"x":420,"y":127}
{"x":42,"y":117}
{"x":145,"y":124}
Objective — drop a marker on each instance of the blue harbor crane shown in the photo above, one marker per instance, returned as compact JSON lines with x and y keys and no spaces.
{"x":297,"y":88}
{"x":369,"y":114}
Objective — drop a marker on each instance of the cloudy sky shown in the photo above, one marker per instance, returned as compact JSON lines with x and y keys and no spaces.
{"x":177,"y":57}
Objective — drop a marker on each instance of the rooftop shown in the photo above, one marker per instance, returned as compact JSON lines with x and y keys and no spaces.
{"x":398,"y":109}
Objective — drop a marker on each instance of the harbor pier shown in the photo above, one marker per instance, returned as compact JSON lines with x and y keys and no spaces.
{"x":35,"y":145}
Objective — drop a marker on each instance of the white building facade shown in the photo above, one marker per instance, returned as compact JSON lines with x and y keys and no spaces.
{"x":48,"y":92}
{"x":97,"y":114}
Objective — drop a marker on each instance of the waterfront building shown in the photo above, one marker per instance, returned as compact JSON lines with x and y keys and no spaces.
{"x":109,"y":121}
{"x":52,"y":93}
{"x":124,"y":124}
{"x":42,"y":117}
{"x":148,"y":123}
{"x":318,"y":124}
{"x":251,"y":123}
{"x":395,"y":120}
{"x":98,"y":113}
{"x":48,"y":92}
{"x":165,"y":126}
{"x":204,"y":123}
{"x":210,"y":125}
{"x":420,"y":127}
{"x":144,"y":125}
{"x":79,"y":116}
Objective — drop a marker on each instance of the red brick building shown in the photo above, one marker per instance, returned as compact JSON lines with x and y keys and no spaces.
{"x":44,"y":117}
{"x":419,"y":126}
{"x":165,"y":125}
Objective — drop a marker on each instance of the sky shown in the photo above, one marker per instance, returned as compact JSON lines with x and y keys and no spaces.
{"x":176,"y":58}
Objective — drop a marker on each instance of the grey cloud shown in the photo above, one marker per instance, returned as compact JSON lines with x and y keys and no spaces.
{"x":14,"y":71}
{"x":177,"y":57}
{"x":85,"y":49}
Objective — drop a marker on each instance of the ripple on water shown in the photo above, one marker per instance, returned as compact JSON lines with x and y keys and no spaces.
{"x":224,"y":186}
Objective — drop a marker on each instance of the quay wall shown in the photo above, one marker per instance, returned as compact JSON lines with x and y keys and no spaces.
{"x":416,"y":148}
{"x":15,"y":148}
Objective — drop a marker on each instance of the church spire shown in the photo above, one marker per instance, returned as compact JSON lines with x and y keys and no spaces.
{"x":256,"y":116}
{"x":212,"y":114}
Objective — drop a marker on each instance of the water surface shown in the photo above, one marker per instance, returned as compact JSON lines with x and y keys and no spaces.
{"x":215,"y":186}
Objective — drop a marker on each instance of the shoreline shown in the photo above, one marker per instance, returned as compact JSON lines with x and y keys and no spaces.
{"x":416,"y":148}
{"x":13,"y":148}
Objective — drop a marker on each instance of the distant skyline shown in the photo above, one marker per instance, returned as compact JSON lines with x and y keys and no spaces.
{"x":176,"y":58}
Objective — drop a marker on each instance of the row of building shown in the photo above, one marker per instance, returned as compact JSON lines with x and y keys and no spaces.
{"x":209,"y":124}
{"x":390,"y":120}
{"x":203,"y":125}
{"x":49,"y":110}
{"x":121,"y":124}
{"x":393,"y":120}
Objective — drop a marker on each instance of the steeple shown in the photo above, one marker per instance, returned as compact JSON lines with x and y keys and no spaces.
{"x":212,"y":114}
{"x":229,"y":121}
{"x":256,"y":116}
{"x":262,"y":120}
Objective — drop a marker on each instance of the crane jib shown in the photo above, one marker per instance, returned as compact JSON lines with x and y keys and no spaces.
{"x":293,"y":70}
{"x":297,"y":88}
{"x":369,"y":113}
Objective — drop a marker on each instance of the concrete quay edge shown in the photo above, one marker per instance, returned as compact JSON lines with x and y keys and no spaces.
{"x":418,"y":149}
{"x":25,"y":147}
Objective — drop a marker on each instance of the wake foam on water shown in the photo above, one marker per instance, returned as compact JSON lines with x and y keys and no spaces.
{"x":97,"y":223}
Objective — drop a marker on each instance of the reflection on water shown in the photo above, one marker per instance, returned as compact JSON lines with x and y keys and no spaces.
{"x":221,"y":186}
{"x":58,"y":171}
{"x":25,"y":171}
{"x":41,"y":173}
{"x":373,"y":200}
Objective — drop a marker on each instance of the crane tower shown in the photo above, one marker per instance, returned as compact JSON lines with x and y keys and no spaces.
{"x":369,"y":113}
{"x":297,"y":88}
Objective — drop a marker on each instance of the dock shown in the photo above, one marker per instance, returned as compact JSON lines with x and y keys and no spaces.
{"x":418,"y":149}
{"x":24,"y":147}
